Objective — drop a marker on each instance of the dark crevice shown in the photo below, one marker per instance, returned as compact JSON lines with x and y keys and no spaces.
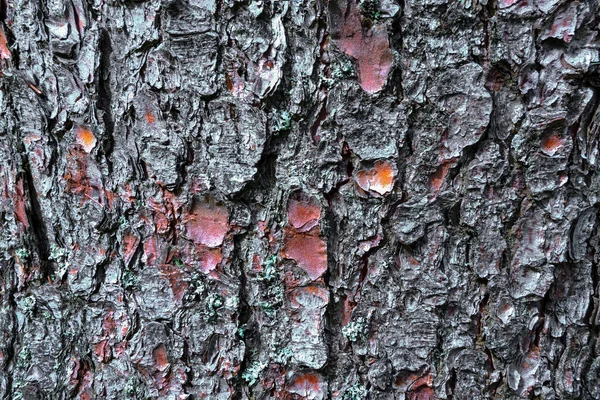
{"x":37,"y":223}
{"x":10,"y":304}
{"x":105,"y":94}
{"x":451,"y":384}
{"x":244,"y":309}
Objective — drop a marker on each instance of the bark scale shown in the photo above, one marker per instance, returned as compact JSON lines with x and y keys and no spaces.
{"x":345,"y":199}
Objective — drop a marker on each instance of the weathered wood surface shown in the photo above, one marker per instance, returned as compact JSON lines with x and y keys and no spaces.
{"x":299,"y":199}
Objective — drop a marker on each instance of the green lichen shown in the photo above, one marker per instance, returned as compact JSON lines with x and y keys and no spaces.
{"x":24,"y":357}
{"x":134,"y":388}
{"x":354,"y":330}
{"x":129,"y":279}
{"x":213,"y":303}
{"x":269,"y":272}
{"x":328,"y":82}
{"x":178,"y":263}
{"x":27,"y":304}
{"x":252,"y":373}
{"x":342,"y":69}
{"x":242,"y":330}
{"x":282,"y":121}
{"x":123,"y":223}
{"x":18,"y":384}
{"x":271,"y":276}
{"x":57,"y":253}
{"x":276,"y":293}
{"x":283,"y":356}
{"x":269,"y":308}
{"x":355,"y":392}
{"x":22,"y":253}
{"x":370,"y":9}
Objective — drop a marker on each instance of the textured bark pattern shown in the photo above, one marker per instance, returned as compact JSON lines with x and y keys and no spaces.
{"x":324,"y":199}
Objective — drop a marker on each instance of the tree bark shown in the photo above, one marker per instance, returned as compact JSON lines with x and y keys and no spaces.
{"x":328,"y":199}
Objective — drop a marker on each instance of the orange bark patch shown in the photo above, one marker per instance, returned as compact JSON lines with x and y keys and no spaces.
{"x":4,"y":51}
{"x":207,"y":224}
{"x":308,"y":385}
{"x":303,"y":215}
{"x":194,"y":256}
{"x":309,"y":251}
{"x":85,"y":138}
{"x":370,"y":48}
{"x":551,"y":144}
{"x":150,"y":118}
{"x":380,"y":179}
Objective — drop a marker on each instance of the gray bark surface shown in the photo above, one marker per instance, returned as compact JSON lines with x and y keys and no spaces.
{"x":324,"y":199}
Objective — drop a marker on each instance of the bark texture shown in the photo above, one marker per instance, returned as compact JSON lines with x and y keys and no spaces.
{"x":324,"y":199}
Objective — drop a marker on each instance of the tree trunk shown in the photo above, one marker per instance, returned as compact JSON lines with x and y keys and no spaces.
{"x":325,"y":199}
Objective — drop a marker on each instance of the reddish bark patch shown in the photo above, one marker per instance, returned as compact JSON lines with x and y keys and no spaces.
{"x":160,"y":358}
{"x":506,"y":3}
{"x":176,"y":280}
{"x":378,"y":180}
{"x":438,"y":177}
{"x":207,"y":224}
{"x":312,"y":296}
{"x":423,"y":393}
{"x":309,"y":251}
{"x":347,"y":309}
{"x":209,"y":259}
{"x":308,"y":385}
{"x":19,"y":203}
{"x":108,"y":323}
{"x":564,"y":26}
{"x":302,"y":240}
{"x":129,"y":244}
{"x":235,"y":82}
{"x":81,"y":379}
{"x":85,"y":138}
{"x":79,"y":15}
{"x":151,"y":250}
{"x":102,"y":351}
{"x":370,"y":48}
{"x":161,"y":222}
{"x":551,"y":144}
{"x":303,"y":215}
{"x":417,"y":386}
{"x":4,"y":51}
{"x":78,"y":181}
